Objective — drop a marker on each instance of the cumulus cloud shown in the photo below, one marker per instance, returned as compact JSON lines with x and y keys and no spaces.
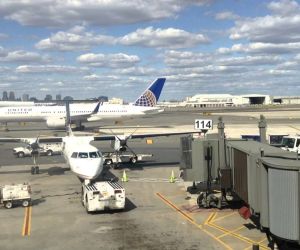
{"x":137,"y":71}
{"x":74,"y":39}
{"x":77,"y":38}
{"x":53,"y":13}
{"x":48,"y":69}
{"x":284,"y":7}
{"x":270,"y":48}
{"x":98,"y":78}
{"x":226,"y":15}
{"x":250,"y":60}
{"x":163,"y":38}
{"x":118,"y":60}
{"x":186,"y":59}
{"x":22,"y":56}
{"x":281,"y":27}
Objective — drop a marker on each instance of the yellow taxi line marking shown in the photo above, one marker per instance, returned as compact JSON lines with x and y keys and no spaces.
{"x":192,"y":220}
{"x":27,"y":222}
{"x":224,"y":216}
{"x":175,"y":207}
{"x":235,"y":235}
{"x":232,"y":231}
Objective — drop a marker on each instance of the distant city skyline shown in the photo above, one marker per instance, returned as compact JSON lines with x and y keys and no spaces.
{"x":117,"y":48}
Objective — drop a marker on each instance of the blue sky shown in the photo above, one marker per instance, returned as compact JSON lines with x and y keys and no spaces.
{"x":117,"y":48}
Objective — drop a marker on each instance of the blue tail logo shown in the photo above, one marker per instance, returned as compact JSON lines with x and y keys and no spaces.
{"x":150,"y":97}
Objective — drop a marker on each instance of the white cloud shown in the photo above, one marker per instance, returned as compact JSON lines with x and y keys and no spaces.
{"x":137,"y":71}
{"x":226,"y":15}
{"x":250,"y":60}
{"x":48,"y":69}
{"x":281,"y":27}
{"x":22,"y":56}
{"x":263,"y":48}
{"x":74,"y":39}
{"x":186,"y":59}
{"x":102,"y":78}
{"x":163,"y":38}
{"x":284,"y":7}
{"x":110,"y":12}
{"x":119,"y":60}
{"x":92,"y":77}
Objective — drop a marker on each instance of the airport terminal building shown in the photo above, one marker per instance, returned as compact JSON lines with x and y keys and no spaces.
{"x":227,"y":100}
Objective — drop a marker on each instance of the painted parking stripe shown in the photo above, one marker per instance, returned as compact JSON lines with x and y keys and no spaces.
{"x":27,"y":222}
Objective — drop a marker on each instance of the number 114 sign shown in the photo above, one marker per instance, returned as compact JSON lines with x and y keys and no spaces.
{"x":201,"y":124}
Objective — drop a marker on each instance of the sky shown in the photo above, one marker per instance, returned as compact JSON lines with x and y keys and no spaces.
{"x":90,"y":48}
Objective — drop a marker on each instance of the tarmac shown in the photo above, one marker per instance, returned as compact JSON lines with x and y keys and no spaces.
{"x":158,"y":214}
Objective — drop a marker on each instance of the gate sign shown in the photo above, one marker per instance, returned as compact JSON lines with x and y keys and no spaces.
{"x":203,"y":124}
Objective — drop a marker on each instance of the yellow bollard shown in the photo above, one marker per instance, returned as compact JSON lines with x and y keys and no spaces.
{"x":124,"y":177}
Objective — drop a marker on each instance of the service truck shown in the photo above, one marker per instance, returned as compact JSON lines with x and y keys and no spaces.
{"x":48,"y":149}
{"x":291,"y":143}
{"x":11,"y":195}
{"x":115,"y":158}
{"x":103,"y":195}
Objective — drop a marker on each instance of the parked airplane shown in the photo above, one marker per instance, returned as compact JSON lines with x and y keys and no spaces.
{"x":55,"y":116}
{"x":84,"y":159}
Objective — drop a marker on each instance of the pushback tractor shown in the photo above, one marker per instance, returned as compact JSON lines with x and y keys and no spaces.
{"x":104,"y":195}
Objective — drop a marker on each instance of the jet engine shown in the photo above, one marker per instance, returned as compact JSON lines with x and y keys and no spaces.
{"x":56,"y":122}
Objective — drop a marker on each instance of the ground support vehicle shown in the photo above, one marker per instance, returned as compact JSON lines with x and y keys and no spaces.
{"x":103,"y":195}
{"x":11,"y":195}
{"x":291,"y":143}
{"x":48,"y":149}
{"x":116,"y":158}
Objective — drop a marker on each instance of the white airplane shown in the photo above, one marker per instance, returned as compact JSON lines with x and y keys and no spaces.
{"x":84,"y":159}
{"x":55,"y":115}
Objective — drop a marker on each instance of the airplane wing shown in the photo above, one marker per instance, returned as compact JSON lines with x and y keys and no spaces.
{"x":32,"y":139}
{"x":96,"y":138}
{"x":140,"y":136}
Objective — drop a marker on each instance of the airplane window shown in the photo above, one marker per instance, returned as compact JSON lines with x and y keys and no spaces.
{"x":82,"y":155}
{"x":74,"y":155}
{"x":99,"y":153}
{"x":93,"y":155}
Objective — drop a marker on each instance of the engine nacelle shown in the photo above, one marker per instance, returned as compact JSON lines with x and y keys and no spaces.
{"x":56,"y":122}
{"x":119,"y":144}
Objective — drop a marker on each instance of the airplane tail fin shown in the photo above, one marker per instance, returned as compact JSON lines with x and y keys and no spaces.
{"x":97,"y":108}
{"x":150,"y":96}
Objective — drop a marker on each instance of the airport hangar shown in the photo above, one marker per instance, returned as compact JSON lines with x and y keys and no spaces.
{"x":227,"y":100}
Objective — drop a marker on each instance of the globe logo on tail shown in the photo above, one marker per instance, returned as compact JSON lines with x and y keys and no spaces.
{"x":147,"y":99}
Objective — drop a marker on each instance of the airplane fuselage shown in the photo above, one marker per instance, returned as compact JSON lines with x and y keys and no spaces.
{"x":54,"y":116}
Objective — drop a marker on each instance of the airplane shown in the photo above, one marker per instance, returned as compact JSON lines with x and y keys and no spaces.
{"x":85,"y":160}
{"x":55,"y":115}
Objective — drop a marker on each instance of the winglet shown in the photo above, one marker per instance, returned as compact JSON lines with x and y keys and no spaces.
{"x":151,"y":94}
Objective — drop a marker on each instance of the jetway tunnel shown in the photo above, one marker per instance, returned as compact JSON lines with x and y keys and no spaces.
{"x":264,"y":177}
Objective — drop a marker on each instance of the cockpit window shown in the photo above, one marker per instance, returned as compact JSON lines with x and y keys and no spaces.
{"x":93,"y":155}
{"x":99,"y":153}
{"x":82,"y":155}
{"x":74,"y":155}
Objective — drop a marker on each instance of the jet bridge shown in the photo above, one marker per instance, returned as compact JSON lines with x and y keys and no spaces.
{"x":265,"y":178}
